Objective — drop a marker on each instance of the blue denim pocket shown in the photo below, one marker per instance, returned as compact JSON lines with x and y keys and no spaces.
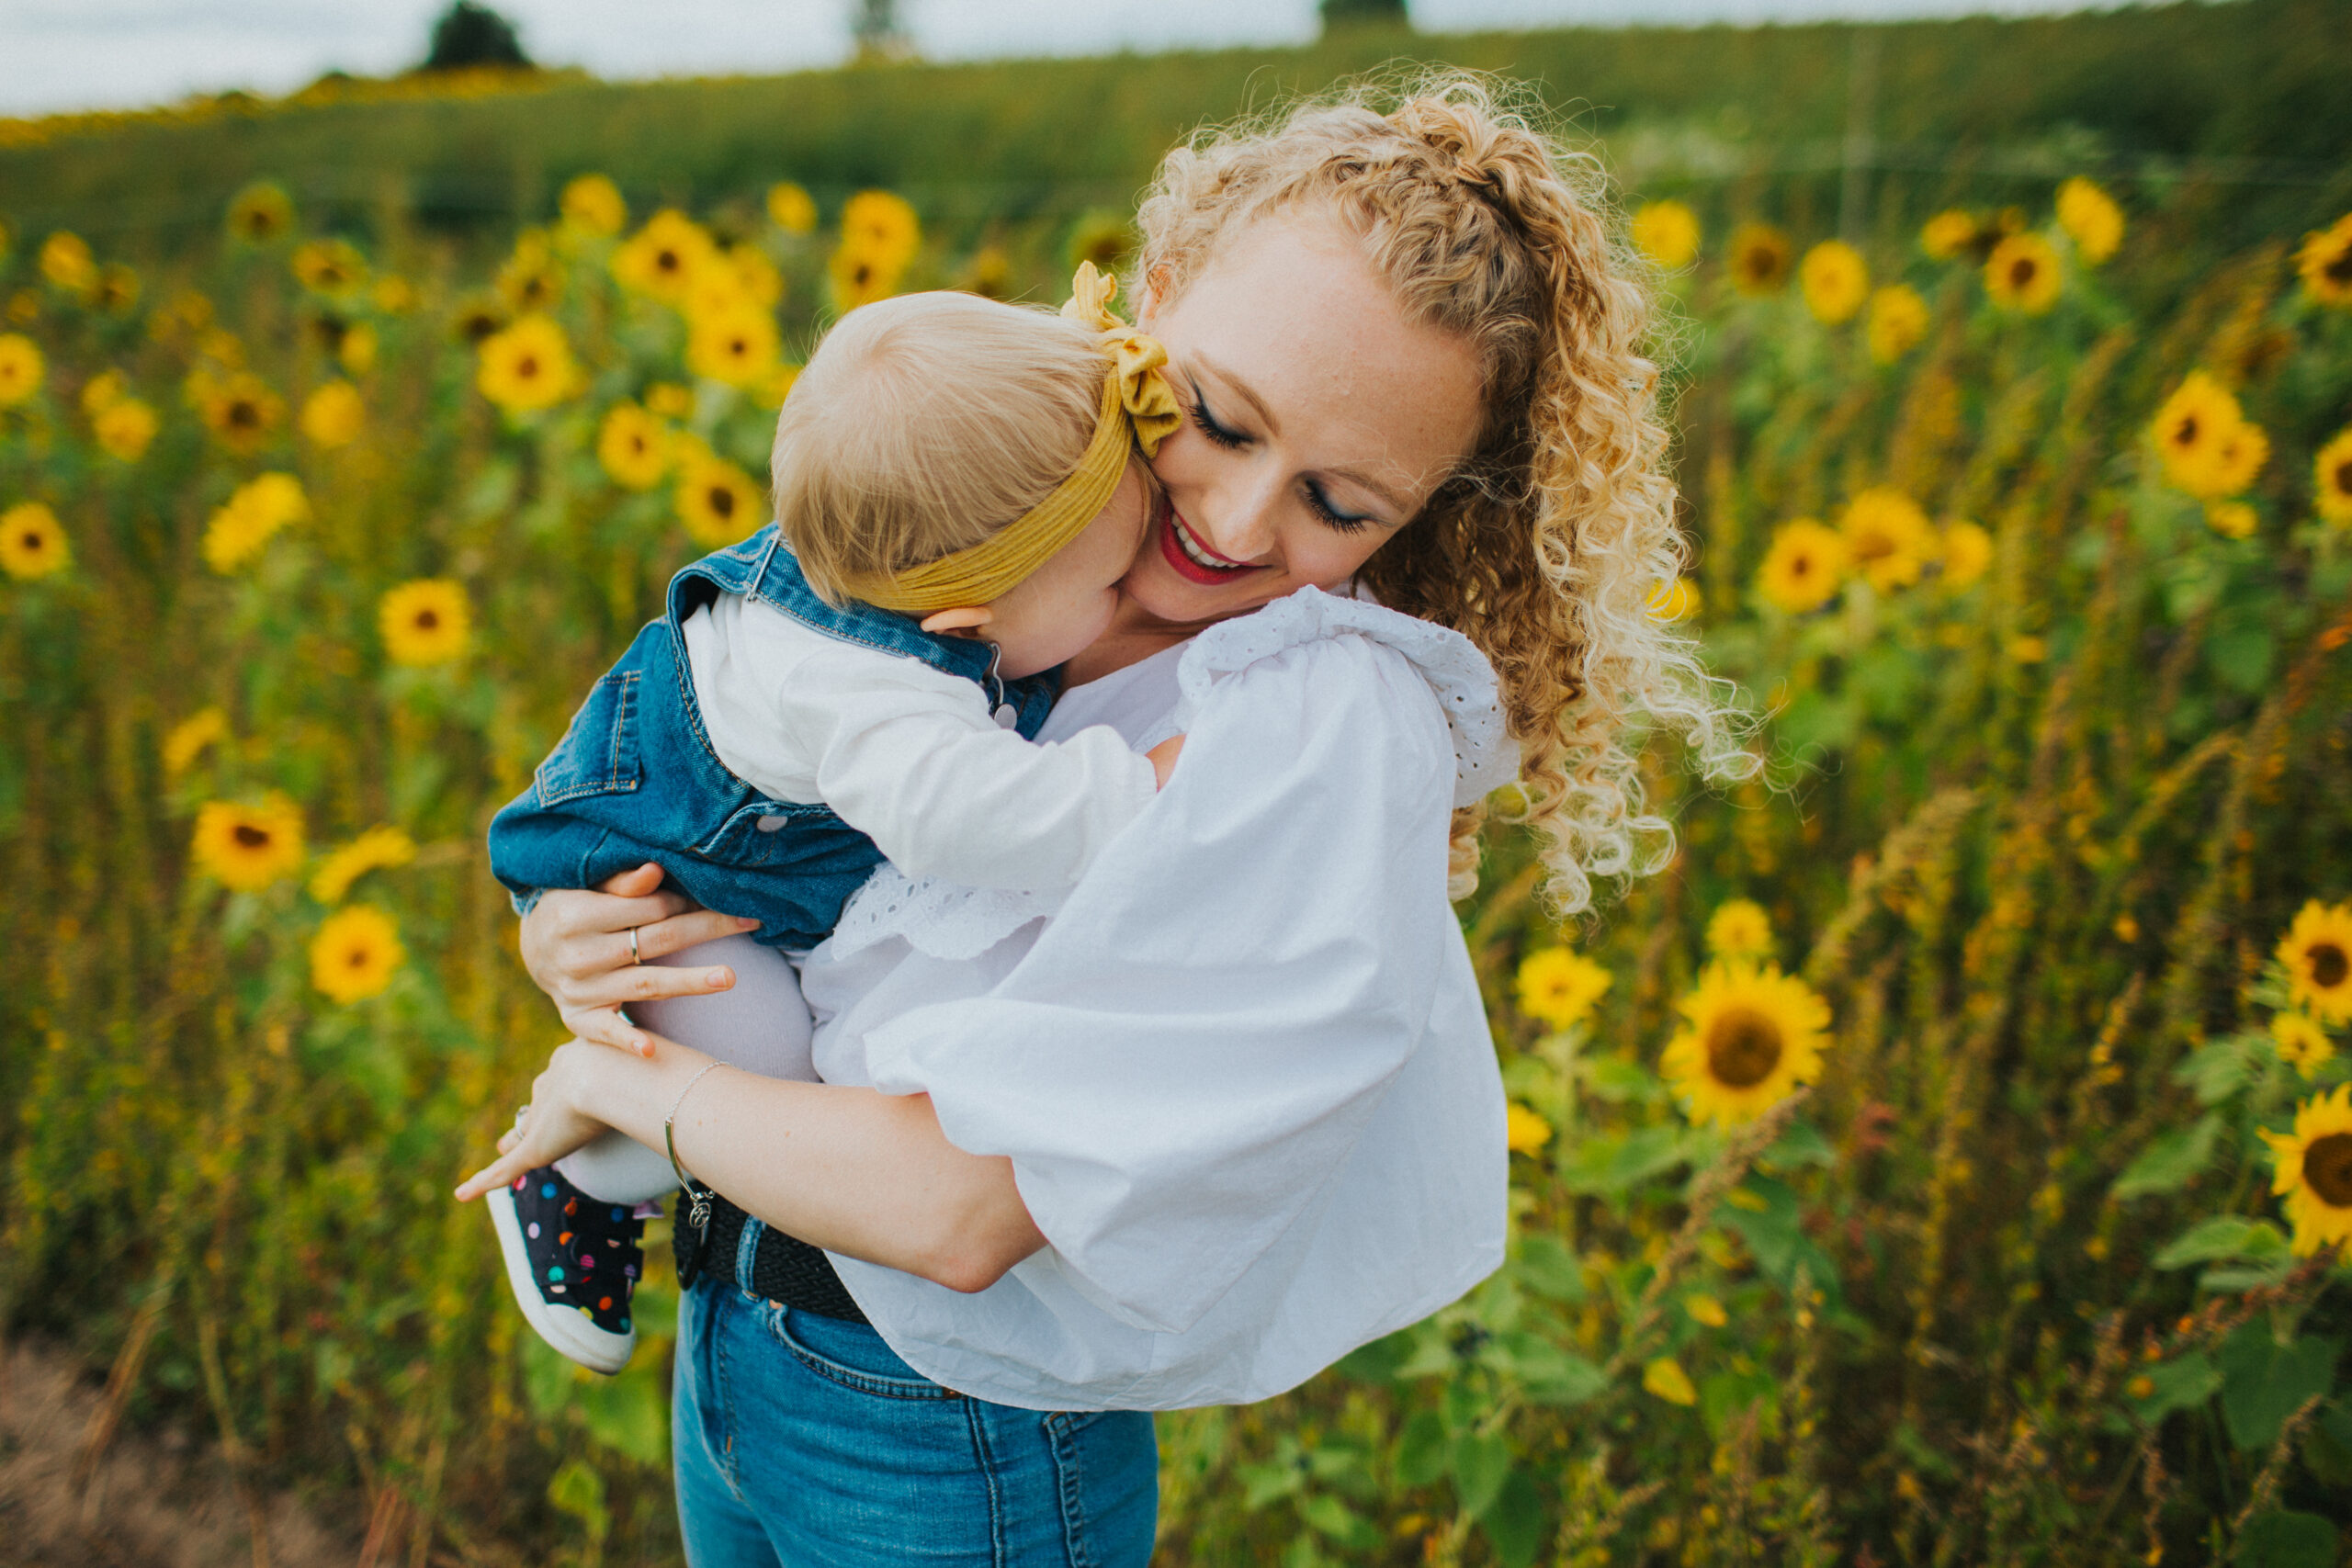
{"x":849,"y":1354}
{"x":598,"y":755}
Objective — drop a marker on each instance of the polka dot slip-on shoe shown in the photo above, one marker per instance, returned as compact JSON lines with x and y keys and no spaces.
{"x":573,"y":1262}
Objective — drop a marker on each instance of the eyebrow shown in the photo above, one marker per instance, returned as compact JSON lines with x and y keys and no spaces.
{"x":1248,"y":394}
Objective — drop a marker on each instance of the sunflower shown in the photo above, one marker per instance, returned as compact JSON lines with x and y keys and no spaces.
{"x":526,"y":368}
{"x":1887,"y":537}
{"x":241,"y":410}
{"x":2091,"y":219}
{"x":1524,"y":1132}
{"x":1948,"y":233}
{"x":2326,"y":263}
{"x":333,"y":415}
{"x":1675,"y":600}
{"x":633,"y":447}
{"x":1804,"y":566}
{"x":478,"y":317}
{"x":1667,"y":232}
{"x":2238,"y":458}
{"x":1750,"y":1036}
{"x":2315,"y":1170}
{"x":1557,"y":988}
{"x":426,"y":622}
{"x":1760,"y":259}
{"x":356,"y":953}
{"x":357,"y":350}
{"x":260,"y":213}
{"x":2332,"y":479}
{"x":22,"y":369}
{"x":1739,"y":929}
{"x":2190,"y":429}
{"x":1967,"y":551}
{"x":67,"y":263}
{"x":1898,"y":322}
{"x":755,"y":277}
{"x":530,"y":279}
{"x":117,"y":291}
{"x":32,"y":544}
{"x":378,"y":849}
{"x":1835,"y":281}
{"x":661,"y":259}
{"x":186,"y":315}
{"x":2317,"y":953}
{"x":2232,"y":519}
{"x":859,"y":276}
{"x":716,"y":501}
{"x":254,"y":512}
{"x":737,"y":345}
{"x":591,"y":205}
{"x":334,"y":269}
{"x":393,"y":295}
{"x":2022,"y":275}
{"x":102,"y":391}
{"x":124,"y":428}
{"x":791,"y":209}
{"x":883,"y":225}
{"x":2301,"y":1043}
{"x":988,"y":274}
{"x":189,"y":738}
{"x":24,"y":306}
{"x":668,"y":400}
{"x":248,"y":847}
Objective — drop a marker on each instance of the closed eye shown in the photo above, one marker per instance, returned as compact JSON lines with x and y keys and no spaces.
{"x":1320,"y":503}
{"x":1207,"y":423}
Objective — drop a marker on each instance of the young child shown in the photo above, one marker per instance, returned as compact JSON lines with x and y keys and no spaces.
{"x":959,"y":485}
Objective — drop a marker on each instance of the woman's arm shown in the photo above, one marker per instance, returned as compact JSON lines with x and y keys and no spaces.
{"x":849,"y":1169}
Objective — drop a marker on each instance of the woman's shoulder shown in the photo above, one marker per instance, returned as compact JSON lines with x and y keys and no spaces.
{"x":1457,"y":676}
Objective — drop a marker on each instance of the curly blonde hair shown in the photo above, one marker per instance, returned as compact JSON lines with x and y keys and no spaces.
{"x":1544,"y":548}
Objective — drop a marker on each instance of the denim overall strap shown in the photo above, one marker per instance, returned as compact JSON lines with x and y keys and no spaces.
{"x":763,"y":568}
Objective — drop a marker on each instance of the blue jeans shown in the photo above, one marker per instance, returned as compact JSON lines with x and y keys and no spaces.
{"x":804,"y":1441}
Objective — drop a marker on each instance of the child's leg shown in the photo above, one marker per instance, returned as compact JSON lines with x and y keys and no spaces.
{"x":761,"y":1026}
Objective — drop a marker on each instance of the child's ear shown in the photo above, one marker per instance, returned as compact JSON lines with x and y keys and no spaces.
{"x":1155,"y":285}
{"x":963,"y":620}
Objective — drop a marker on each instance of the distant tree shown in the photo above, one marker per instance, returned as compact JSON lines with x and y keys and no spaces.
{"x":1340,"y":13}
{"x":473,"y":34}
{"x":873,"y":25}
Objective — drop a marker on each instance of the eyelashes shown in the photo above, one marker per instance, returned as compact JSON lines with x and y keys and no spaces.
{"x":1197,"y":409}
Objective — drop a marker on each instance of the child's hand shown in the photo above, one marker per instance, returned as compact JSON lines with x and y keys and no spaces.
{"x":1163,"y":758}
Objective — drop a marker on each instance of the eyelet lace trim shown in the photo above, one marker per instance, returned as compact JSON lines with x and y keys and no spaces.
{"x":1485,"y":756}
{"x":945,"y":919}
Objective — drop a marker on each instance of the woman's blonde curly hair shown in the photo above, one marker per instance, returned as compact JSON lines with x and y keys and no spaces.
{"x":1545,"y":548}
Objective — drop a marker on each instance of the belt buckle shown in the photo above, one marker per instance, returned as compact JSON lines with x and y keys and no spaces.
{"x":689,"y":1252}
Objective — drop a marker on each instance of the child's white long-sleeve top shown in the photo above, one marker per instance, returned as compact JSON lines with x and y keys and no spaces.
{"x":908,"y":755}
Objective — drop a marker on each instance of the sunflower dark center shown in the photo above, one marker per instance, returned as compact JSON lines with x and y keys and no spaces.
{"x":249,"y":837}
{"x":527,"y":366}
{"x":2329,"y":964}
{"x":2185,"y":433}
{"x":2327,"y":1169}
{"x":863,"y":273}
{"x":2021,"y":271}
{"x":2339,"y":267}
{"x":32,"y":540}
{"x":1801,"y":565}
{"x":722,"y":501}
{"x":2342,"y":477}
{"x":244,"y":415}
{"x":356,"y":958}
{"x":667,"y":261}
{"x":428,"y":620}
{"x":1742,"y":1047}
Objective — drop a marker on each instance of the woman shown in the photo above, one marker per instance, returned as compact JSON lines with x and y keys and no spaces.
{"x":1410,"y":362}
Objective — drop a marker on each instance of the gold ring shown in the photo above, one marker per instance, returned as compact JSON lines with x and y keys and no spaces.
{"x":633,"y":957}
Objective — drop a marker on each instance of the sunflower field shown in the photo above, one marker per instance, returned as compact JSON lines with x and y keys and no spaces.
{"x":1947,"y":1159}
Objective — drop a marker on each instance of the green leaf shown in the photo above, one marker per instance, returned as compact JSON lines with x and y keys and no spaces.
{"x":2218,"y":1069}
{"x":1264,"y":1483}
{"x":2179,"y":1385}
{"x":2263,"y":1381}
{"x":1547,"y":1267}
{"x":1609,"y":1166}
{"x":579,"y":1490}
{"x":631,"y":1413}
{"x":1420,"y":1449}
{"x":1802,"y":1145}
{"x":2285,"y":1538}
{"x":1379,"y":1362}
{"x":2241,"y":656}
{"x":1616,"y":1080}
{"x":2171,"y":1161}
{"x":1341,"y":1523}
{"x":1480,"y":1463}
{"x":1515,"y":1524}
{"x":2224,"y":1236}
{"x":1725,"y":1395}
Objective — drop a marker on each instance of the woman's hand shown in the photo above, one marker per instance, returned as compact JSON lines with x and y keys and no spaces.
{"x":551,"y":1126}
{"x":576,"y":946}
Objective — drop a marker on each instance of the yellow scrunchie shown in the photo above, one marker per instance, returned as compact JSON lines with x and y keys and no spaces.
{"x":1138,"y":408}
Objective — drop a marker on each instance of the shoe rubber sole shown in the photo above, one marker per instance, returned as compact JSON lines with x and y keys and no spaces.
{"x":566,"y":1328}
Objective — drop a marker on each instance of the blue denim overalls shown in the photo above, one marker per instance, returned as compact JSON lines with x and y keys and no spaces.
{"x":634,"y":779}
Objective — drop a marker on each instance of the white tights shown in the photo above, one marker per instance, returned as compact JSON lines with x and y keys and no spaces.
{"x":761,"y":1025}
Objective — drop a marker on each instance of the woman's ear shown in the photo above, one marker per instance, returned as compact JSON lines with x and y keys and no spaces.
{"x":964,"y":620}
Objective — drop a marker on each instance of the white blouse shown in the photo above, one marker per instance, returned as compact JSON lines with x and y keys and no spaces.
{"x":1243,"y":1074}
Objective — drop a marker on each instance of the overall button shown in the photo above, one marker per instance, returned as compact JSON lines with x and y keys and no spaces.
{"x":1007,"y":717}
{"x":771,"y":824}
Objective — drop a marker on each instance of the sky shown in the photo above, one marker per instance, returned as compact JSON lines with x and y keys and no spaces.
{"x":70,"y":54}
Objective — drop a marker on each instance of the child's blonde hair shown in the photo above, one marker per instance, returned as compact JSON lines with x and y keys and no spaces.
{"x":923,"y":425}
{"x":1545,"y":549}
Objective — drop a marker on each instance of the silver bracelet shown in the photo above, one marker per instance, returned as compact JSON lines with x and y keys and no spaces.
{"x":699,"y":1194}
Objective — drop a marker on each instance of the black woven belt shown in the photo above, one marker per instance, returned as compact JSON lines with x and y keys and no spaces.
{"x":783,"y":1267}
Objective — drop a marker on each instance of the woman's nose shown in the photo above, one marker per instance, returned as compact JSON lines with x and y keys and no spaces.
{"x":1245,"y":526}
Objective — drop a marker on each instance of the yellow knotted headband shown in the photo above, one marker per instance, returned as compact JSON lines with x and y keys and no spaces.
{"x":1138,"y":408}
